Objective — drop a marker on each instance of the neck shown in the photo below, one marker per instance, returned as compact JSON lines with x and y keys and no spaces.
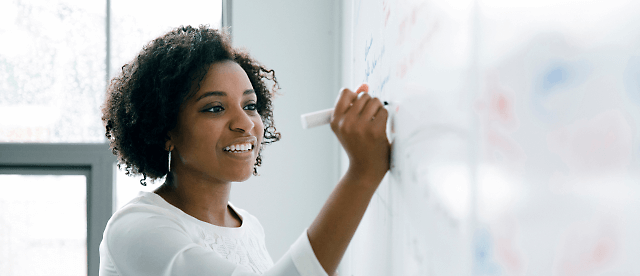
{"x":199,"y":198}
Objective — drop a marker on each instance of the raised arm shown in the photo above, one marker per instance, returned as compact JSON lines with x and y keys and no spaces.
{"x":359,"y":123}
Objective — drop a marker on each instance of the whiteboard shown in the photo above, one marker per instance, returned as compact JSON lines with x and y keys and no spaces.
{"x":515,"y":136}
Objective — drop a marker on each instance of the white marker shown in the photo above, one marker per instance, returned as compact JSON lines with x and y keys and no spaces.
{"x":319,"y":118}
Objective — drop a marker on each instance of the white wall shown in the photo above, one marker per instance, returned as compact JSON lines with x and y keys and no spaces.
{"x":300,"y":40}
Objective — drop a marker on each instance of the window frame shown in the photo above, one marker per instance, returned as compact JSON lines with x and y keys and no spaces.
{"x":96,"y":159}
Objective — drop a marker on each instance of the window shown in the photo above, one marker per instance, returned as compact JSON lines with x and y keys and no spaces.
{"x":53,"y":72}
{"x":55,"y":66}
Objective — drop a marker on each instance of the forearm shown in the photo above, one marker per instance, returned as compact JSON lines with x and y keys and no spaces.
{"x":359,"y":123}
{"x":332,"y":230}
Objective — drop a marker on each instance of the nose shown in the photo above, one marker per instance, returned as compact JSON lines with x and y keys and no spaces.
{"x":241,"y":121}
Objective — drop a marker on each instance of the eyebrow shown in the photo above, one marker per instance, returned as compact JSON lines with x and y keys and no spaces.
{"x":222,"y":94}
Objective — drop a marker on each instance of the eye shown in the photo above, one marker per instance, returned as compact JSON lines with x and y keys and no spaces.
{"x":215,"y":109}
{"x":251,"y":106}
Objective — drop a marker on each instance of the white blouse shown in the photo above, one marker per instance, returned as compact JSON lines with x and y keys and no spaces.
{"x":149,"y":236}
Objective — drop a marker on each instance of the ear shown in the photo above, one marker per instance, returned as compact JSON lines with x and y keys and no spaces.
{"x":168,"y":143}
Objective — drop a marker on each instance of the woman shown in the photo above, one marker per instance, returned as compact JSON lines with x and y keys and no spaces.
{"x":193,"y":109}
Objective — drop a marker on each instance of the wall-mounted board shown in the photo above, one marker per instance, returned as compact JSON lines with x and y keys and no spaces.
{"x":516,"y":138}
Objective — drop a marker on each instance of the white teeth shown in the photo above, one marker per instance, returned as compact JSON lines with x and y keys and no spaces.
{"x":239,"y":147}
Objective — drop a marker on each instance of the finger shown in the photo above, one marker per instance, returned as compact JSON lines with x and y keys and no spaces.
{"x":358,"y":104}
{"x":381,"y":116}
{"x":380,"y":120}
{"x":344,"y":101}
{"x":371,"y":108}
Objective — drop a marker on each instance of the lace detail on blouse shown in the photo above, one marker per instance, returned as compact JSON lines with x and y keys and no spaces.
{"x":245,"y":251}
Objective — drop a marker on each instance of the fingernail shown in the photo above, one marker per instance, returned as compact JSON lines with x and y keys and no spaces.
{"x":363,"y":88}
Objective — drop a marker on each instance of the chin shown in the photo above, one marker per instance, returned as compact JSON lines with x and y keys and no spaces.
{"x":242,"y":176}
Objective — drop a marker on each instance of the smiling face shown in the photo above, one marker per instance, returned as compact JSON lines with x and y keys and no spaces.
{"x":219,"y":131}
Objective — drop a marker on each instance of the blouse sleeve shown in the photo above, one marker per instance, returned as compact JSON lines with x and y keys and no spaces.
{"x":143,"y":243}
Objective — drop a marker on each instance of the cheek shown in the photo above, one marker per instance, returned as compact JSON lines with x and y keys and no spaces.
{"x":258,"y":125}
{"x":198,"y":139}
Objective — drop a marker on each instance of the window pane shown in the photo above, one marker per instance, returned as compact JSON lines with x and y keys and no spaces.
{"x":136,"y":22}
{"x":52,"y":70}
{"x":43,"y":225}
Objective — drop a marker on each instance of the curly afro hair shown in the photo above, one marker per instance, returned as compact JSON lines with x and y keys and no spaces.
{"x":143,"y":101}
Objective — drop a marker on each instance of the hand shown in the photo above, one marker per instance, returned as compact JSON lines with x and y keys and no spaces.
{"x":360,"y":122}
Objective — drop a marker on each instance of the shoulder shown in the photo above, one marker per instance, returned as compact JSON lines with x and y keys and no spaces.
{"x":149,"y":237}
{"x":140,"y":216}
{"x":143,"y":206}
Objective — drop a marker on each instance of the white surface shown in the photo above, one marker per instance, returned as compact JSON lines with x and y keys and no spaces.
{"x":516,"y":141}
